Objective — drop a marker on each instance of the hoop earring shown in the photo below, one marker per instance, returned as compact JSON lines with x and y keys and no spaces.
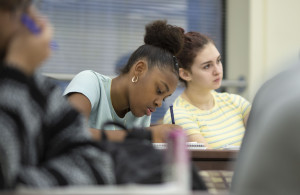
{"x":135,"y":79}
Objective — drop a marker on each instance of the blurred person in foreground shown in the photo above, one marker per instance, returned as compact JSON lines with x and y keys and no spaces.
{"x":269,"y":158}
{"x":44,"y":142}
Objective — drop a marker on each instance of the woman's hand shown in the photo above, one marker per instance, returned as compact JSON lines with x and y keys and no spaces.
{"x":198,"y":138}
{"x":27,"y":50}
{"x":160,"y":132}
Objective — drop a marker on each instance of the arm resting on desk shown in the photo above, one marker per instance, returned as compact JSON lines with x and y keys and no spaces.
{"x":113,"y":135}
{"x":159,"y":133}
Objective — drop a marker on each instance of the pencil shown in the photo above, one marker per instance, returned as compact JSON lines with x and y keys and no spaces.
{"x":172,"y":114}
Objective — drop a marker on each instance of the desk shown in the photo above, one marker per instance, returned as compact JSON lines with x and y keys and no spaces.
{"x":96,"y":190}
{"x":214,"y":159}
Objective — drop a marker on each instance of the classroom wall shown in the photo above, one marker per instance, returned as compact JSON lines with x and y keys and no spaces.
{"x":263,"y":37}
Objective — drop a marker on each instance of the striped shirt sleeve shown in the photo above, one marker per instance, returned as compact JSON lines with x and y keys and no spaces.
{"x":44,"y":142}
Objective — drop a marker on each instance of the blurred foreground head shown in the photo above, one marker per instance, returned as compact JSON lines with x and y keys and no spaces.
{"x":10,"y":12}
{"x":14,"y":5}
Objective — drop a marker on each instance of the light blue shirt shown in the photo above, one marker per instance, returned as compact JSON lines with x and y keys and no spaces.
{"x":96,"y":88}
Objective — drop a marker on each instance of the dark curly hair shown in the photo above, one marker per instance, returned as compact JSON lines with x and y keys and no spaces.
{"x":194,"y":42}
{"x":162,"y":43}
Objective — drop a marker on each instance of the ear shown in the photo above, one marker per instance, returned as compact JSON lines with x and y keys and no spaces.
{"x":185,"y":74}
{"x":140,"y":67}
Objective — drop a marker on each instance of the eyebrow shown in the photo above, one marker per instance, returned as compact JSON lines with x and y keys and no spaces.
{"x":210,"y":60}
{"x":165,"y":84}
{"x":206,"y":62}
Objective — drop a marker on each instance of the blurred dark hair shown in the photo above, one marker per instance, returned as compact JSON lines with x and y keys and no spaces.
{"x":162,"y":42}
{"x":194,"y":42}
{"x":14,"y":5}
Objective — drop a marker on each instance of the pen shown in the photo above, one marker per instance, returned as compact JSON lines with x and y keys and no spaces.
{"x":33,"y":28}
{"x":172,"y":114}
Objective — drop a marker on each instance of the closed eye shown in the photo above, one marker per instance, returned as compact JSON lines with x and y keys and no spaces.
{"x":159,"y":92}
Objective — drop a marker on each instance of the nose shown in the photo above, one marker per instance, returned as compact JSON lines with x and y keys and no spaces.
{"x":218,"y":69}
{"x":158,"y":102}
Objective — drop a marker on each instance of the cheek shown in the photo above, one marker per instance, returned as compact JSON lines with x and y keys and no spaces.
{"x":134,"y":104}
{"x":201,"y":77}
{"x":7,"y":32}
{"x":11,"y":23}
{"x":138,"y":97}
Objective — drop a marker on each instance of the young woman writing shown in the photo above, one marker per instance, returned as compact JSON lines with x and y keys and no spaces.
{"x":150,"y":76}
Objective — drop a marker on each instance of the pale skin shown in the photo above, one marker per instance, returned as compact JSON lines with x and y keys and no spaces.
{"x":141,"y":98}
{"x":24,"y":50}
{"x":205,"y":75}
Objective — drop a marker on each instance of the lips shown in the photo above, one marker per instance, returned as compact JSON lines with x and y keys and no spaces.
{"x":150,"y":110}
{"x":217,"y":80}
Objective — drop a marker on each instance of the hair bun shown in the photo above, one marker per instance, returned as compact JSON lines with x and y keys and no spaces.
{"x":165,"y":36}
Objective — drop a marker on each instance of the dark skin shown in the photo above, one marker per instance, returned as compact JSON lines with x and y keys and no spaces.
{"x":141,"y":98}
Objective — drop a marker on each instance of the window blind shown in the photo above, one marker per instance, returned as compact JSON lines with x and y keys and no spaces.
{"x":101,"y":34}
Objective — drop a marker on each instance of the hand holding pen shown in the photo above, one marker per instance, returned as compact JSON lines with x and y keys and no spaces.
{"x":160,"y":132}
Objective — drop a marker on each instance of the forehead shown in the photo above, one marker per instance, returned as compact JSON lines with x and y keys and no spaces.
{"x":209,"y":52}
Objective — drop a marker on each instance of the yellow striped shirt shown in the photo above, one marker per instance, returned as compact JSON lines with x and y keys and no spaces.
{"x":221,"y":126}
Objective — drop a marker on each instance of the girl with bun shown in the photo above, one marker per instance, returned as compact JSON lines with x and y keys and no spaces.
{"x":149,"y":77}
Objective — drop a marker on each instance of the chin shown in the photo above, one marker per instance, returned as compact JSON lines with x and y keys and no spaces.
{"x":217,"y":86}
{"x":137,"y":114}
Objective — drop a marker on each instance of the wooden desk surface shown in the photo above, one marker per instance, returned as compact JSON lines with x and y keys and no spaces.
{"x":214,"y":159}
